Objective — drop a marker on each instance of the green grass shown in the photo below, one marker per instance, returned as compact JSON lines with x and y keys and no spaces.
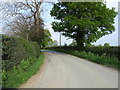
{"x":103,"y":59}
{"x":21,"y":73}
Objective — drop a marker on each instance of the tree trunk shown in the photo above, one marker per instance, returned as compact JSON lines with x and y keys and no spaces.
{"x":80,"y":40}
{"x":38,"y":24}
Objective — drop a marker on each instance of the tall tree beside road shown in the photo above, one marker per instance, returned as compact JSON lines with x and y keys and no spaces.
{"x":26,"y":9}
{"x":85,"y":22}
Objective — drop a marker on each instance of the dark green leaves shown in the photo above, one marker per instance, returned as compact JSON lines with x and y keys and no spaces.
{"x":93,"y":19}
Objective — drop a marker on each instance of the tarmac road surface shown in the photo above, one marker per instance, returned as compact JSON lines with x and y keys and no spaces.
{"x":66,"y":71}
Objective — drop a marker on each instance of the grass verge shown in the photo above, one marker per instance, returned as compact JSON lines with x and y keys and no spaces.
{"x":21,"y":73}
{"x":104,"y":59}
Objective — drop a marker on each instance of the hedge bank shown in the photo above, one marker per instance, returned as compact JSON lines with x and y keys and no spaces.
{"x":14,"y":50}
{"x":20,"y":60}
{"x":112,"y":51}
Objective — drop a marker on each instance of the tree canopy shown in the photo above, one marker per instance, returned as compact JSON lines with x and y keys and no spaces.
{"x":85,"y":22}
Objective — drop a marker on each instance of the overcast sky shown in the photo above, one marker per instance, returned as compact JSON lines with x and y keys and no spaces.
{"x":112,"y":38}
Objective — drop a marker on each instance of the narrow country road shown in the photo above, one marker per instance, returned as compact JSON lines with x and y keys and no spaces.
{"x":66,"y":71}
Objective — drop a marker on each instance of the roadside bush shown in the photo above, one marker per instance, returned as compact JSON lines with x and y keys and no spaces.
{"x":17,"y":49}
{"x":18,"y":55}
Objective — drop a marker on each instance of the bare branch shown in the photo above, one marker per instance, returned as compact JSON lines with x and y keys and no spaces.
{"x":29,"y":6}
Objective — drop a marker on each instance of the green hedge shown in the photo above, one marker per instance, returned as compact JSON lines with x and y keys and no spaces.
{"x":111,"y":51}
{"x":103,"y":59}
{"x":17,"y":49}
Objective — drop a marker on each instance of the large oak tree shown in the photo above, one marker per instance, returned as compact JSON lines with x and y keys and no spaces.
{"x":85,"y":22}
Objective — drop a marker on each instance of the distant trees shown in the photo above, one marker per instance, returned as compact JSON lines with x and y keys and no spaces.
{"x":90,"y":45}
{"x":100,"y":45}
{"x":47,"y":41}
{"x":73,"y":43}
{"x":84,"y":22}
{"x":54,"y":43}
{"x":106,"y":44}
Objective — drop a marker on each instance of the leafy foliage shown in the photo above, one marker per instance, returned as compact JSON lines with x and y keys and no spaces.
{"x":36,"y":36}
{"x":47,"y":41}
{"x":17,"y":57}
{"x":17,"y":49}
{"x":84,"y":21}
{"x":73,"y":43}
{"x":54,"y":43}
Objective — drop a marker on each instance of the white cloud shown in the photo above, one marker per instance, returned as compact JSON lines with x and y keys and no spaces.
{"x":112,"y":3}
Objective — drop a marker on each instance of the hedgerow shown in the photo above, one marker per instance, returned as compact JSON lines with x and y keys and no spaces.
{"x":100,"y":59}
{"x":112,"y":51}
{"x":18,"y":55}
{"x":15,"y":49}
